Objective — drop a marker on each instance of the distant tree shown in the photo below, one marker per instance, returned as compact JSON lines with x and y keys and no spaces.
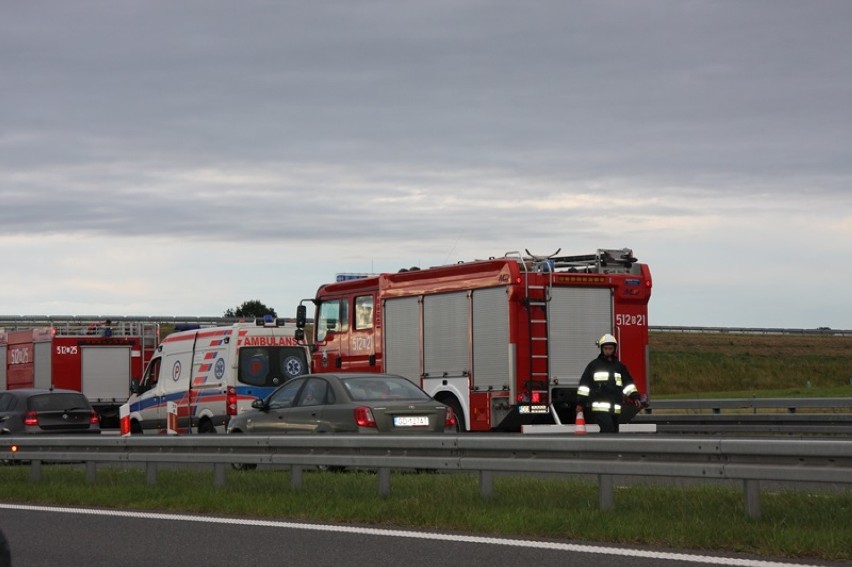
{"x":252,"y":308}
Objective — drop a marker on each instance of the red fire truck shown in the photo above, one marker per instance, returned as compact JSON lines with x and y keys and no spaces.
{"x":96,"y":359}
{"x":503,"y":341}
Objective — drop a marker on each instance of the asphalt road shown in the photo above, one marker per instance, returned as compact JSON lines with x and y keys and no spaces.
{"x":52,"y":536}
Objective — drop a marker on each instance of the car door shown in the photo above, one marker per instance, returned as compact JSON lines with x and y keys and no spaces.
{"x":273,"y":418}
{"x":10,"y":415}
{"x":306,"y":414}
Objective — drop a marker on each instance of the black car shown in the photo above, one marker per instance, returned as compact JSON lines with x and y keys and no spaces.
{"x":46,"y":411}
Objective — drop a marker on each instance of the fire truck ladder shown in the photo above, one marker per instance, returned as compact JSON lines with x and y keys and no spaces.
{"x":537,"y":301}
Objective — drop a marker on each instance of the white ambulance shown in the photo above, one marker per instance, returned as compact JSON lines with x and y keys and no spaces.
{"x":198,"y":379}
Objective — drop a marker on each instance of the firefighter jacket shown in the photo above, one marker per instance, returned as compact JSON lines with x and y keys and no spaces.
{"x":604,"y":385}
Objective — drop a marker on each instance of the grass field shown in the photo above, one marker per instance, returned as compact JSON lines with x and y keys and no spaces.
{"x":738,"y":365}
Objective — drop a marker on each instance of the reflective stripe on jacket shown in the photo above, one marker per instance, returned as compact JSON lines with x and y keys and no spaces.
{"x":604,"y":384}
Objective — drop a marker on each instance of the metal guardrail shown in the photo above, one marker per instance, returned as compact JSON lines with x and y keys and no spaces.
{"x":750,"y":423}
{"x":36,"y":320}
{"x":750,"y":461}
{"x":825,"y":416}
{"x":716,"y":405}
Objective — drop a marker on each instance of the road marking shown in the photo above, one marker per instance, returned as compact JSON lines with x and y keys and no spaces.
{"x":572,"y":547}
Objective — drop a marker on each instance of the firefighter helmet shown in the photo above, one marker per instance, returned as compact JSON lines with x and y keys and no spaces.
{"x":607,"y":339}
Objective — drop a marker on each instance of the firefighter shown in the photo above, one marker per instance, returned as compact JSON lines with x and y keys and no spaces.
{"x":604,"y":386}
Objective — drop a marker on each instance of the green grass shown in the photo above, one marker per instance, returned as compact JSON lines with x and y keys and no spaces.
{"x":826,"y":392}
{"x":699,"y":517}
{"x":729,"y":365}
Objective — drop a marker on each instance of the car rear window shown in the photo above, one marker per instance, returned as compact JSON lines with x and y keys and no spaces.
{"x":57,"y":402}
{"x":365,"y":389}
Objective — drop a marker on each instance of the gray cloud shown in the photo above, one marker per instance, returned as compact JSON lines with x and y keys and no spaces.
{"x":428,"y":129}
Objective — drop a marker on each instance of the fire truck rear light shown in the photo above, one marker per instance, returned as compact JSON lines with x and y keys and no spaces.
{"x":231,"y":401}
{"x":31,"y":418}
{"x":364,"y":417}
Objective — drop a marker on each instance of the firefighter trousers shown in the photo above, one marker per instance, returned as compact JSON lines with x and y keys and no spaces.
{"x":608,"y":422}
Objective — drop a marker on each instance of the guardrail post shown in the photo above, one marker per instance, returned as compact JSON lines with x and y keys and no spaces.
{"x":751,"y":489}
{"x":384,"y":481}
{"x":486,"y":484}
{"x":605,"y":498}
{"x":35,"y":470}
{"x":219,"y":475}
{"x":91,"y":472}
{"x":296,"y":477}
{"x":151,"y":473}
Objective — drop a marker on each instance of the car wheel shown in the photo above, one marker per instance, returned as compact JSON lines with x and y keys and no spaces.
{"x":242,"y":466}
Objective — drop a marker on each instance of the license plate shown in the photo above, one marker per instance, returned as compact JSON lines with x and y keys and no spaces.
{"x":410,"y":421}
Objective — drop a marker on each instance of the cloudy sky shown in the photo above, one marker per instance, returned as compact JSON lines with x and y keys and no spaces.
{"x":179,"y":158}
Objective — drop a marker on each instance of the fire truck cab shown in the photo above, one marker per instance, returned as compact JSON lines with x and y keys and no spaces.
{"x":503,"y":341}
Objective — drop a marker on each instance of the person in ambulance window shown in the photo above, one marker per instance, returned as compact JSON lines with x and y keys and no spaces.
{"x":153,"y":374}
{"x":605,"y":385}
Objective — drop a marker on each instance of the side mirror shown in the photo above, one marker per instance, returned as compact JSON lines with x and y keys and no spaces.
{"x":301,"y":316}
{"x":300,"y":335}
{"x":135,"y":387}
{"x":258,"y":404}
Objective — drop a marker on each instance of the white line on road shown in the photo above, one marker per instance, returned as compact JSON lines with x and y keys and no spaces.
{"x":575,"y":548}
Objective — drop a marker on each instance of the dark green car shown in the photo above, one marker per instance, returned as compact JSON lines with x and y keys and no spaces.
{"x":346,"y":403}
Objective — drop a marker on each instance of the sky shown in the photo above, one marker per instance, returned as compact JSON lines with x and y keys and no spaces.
{"x":180,"y":158}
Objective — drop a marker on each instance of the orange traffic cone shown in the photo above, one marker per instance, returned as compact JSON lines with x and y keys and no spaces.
{"x":580,"y":424}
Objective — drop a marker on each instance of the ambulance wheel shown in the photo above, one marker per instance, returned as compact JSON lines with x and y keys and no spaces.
{"x":135,"y":428}
{"x":206,"y":426}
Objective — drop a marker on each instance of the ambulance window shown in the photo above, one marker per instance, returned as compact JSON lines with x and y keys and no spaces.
{"x":153,"y":374}
{"x":364,"y":312}
{"x":333,"y":316}
{"x":254,"y":366}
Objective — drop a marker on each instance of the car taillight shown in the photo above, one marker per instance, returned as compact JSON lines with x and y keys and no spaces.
{"x":364,"y":417}
{"x":31,"y":418}
{"x":450,"y":418}
{"x":94,"y":419}
{"x":231,"y":401}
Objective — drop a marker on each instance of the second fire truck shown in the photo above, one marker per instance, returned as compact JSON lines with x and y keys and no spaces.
{"x":502,"y":341}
